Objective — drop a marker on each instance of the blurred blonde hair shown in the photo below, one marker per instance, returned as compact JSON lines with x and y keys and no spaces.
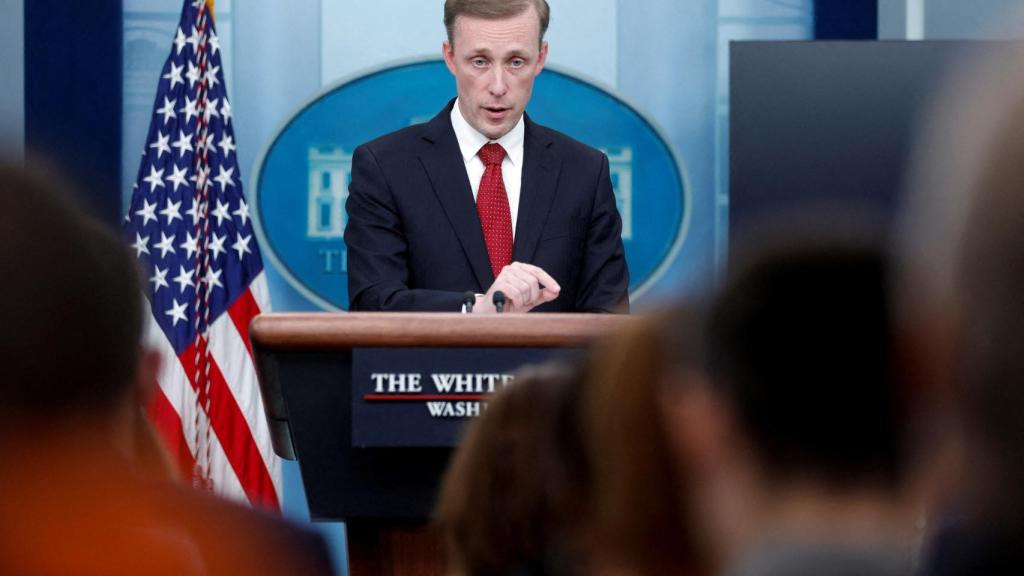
{"x":512,"y":495}
{"x":639,"y":524}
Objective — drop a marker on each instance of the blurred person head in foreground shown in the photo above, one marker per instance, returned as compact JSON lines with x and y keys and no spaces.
{"x":962,"y":307}
{"x":795,"y":445}
{"x":569,"y":469}
{"x":71,"y":315}
{"x":77,"y":495}
{"x":513,"y":495}
{"x":638,"y":521}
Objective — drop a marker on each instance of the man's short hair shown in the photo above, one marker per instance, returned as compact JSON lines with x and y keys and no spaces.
{"x":798,"y":342}
{"x":70,"y":309}
{"x":493,"y":10}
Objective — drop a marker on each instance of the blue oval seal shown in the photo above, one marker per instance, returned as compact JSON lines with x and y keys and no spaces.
{"x":301,"y":179}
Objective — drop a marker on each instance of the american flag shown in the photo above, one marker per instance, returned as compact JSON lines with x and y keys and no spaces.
{"x":191,"y":230}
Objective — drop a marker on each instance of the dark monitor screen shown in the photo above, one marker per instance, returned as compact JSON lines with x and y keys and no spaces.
{"x":813,"y":124}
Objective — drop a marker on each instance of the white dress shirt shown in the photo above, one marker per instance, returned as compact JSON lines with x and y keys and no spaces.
{"x":470,"y":142}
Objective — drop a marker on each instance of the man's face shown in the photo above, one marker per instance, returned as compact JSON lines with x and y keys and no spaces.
{"x":494,"y":63}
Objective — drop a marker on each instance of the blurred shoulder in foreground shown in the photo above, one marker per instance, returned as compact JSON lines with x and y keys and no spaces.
{"x":80,"y":497}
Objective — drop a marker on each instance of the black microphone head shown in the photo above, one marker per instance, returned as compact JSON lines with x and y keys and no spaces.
{"x":498,"y":298}
{"x":469,"y":298}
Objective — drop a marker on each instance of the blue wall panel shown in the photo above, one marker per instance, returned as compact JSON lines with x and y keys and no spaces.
{"x":12,"y":70}
{"x":73,"y":94}
{"x":846,"y":19}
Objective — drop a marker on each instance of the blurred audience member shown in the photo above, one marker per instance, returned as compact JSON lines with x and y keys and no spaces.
{"x":638,"y":521}
{"x":962,"y":303}
{"x":514,"y":494}
{"x":570,"y":471}
{"x":83,"y":490}
{"x":795,"y":446}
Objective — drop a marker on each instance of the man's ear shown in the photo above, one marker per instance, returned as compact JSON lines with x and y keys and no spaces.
{"x":926,"y":352}
{"x":149,"y":454}
{"x":698,"y":422}
{"x":449,"y":55}
{"x":146,"y":375}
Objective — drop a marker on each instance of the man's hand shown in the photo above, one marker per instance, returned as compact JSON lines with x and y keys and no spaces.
{"x":525,"y":286}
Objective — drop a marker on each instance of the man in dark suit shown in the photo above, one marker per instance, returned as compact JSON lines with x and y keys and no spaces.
{"x":481,"y":198}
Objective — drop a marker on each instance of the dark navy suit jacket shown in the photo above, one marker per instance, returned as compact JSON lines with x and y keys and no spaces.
{"x":414,"y":238}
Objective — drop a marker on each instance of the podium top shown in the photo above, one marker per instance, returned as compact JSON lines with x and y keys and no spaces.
{"x":336,"y":330}
{"x":276,"y":337}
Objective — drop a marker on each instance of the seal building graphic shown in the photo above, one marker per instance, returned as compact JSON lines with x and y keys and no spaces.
{"x":330,"y":171}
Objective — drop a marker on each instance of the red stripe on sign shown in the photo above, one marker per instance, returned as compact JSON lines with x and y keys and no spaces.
{"x":235,"y":436}
{"x":168,"y":425}
{"x":242,"y":312}
{"x":420,"y":397}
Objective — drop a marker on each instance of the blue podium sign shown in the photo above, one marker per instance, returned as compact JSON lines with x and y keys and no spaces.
{"x":301,"y":181}
{"x":422,"y":397}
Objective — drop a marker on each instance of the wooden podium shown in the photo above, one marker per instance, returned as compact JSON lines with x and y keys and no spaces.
{"x":385,"y":494}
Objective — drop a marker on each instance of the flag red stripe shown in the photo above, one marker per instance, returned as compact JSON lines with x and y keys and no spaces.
{"x":168,"y":424}
{"x":235,"y":436}
{"x":421,"y":397}
{"x":182,"y":398}
{"x":242,"y":312}
{"x":229,"y":350}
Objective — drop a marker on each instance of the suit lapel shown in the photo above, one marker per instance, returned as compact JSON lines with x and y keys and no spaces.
{"x":442,"y":160}
{"x":540,"y":179}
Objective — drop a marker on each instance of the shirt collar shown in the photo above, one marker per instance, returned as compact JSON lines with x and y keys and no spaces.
{"x":470,"y":141}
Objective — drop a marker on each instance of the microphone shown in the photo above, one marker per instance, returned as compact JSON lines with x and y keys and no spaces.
{"x":499,"y":301}
{"x":468,"y":299}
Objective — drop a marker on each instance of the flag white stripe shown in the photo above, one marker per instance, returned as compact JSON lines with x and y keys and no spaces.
{"x":260,"y":291}
{"x":177,"y":388}
{"x":230,"y":353}
{"x":174,"y":383}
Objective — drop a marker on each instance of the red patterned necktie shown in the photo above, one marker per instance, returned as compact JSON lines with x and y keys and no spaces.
{"x":492,"y":206}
